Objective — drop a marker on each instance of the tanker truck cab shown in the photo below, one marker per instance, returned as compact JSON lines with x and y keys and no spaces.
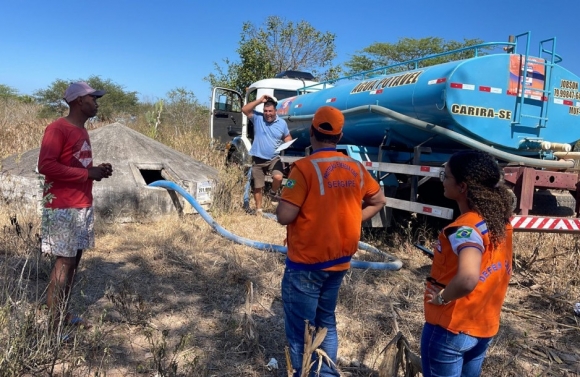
{"x":231,"y":129}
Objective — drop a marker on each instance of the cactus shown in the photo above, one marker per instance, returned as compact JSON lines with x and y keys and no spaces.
{"x":153,"y":118}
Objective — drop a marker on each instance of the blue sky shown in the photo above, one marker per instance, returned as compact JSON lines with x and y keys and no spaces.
{"x":152,"y":47}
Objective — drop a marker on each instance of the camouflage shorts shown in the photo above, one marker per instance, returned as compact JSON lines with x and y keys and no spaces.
{"x":66,"y":230}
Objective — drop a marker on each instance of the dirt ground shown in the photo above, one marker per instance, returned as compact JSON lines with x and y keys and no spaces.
{"x":174,"y":298}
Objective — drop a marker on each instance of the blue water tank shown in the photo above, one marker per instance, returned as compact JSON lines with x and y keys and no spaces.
{"x":479,"y":97}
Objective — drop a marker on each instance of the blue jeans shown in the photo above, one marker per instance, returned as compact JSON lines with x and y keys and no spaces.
{"x":311,"y":296}
{"x":445,"y":354}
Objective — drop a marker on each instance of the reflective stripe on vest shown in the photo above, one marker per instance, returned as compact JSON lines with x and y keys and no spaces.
{"x":482,"y":227}
{"x":317,"y":161}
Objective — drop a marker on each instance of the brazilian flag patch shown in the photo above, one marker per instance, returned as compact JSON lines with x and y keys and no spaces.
{"x":464,"y":233}
{"x":290,"y":183}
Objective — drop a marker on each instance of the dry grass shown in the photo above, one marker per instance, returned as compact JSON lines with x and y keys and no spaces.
{"x":173,"y":299}
{"x":20,"y":130}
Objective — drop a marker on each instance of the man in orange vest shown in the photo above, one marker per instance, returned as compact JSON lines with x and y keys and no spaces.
{"x":321,"y":204}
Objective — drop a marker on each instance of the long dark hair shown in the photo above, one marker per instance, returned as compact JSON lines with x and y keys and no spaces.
{"x":486,"y":194}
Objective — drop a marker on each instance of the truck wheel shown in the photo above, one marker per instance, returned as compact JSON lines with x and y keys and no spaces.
{"x":553,"y":203}
{"x":230,"y":157}
{"x":514,"y":199}
{"x":234,"y":158}
{"x":431,"y":192}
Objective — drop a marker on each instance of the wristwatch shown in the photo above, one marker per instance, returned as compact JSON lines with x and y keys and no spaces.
{"x":439,"y":298}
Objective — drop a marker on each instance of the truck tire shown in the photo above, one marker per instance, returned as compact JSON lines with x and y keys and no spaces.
{"x":553,"y":203}
{"x":234,"y":157}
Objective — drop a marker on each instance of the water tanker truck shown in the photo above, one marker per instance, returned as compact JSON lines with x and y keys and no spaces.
{"x":405,"y":120}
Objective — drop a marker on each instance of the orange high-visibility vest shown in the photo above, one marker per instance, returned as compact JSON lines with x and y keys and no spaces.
{"x":329,"y":188}
{"x":478,"y":313}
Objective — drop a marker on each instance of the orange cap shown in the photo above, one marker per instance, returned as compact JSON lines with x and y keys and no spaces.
{"x":328,"y":120}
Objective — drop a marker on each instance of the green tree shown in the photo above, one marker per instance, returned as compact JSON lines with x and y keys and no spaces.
{"x":184,"y":111}
{"x":117,"y":101}
{"x":277,"y":46}
{"x":51,"y":99}
{"x":7,"y":92}
{"x":25,"y":98}
{"x":382,"y":54}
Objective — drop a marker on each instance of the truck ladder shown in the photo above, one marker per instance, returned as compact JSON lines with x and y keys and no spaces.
{"x":546,"y":93}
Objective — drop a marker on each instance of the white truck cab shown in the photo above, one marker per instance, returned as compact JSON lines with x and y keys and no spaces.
{"x":230,"y":127}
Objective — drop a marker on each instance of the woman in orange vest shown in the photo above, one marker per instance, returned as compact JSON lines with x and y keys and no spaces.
{"x":472,"y":266}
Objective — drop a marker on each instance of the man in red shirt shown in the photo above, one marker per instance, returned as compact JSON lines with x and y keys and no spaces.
{"x":67,"y":218}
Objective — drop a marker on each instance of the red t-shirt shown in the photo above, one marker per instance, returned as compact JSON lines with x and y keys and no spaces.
{"x":64,"y":160}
